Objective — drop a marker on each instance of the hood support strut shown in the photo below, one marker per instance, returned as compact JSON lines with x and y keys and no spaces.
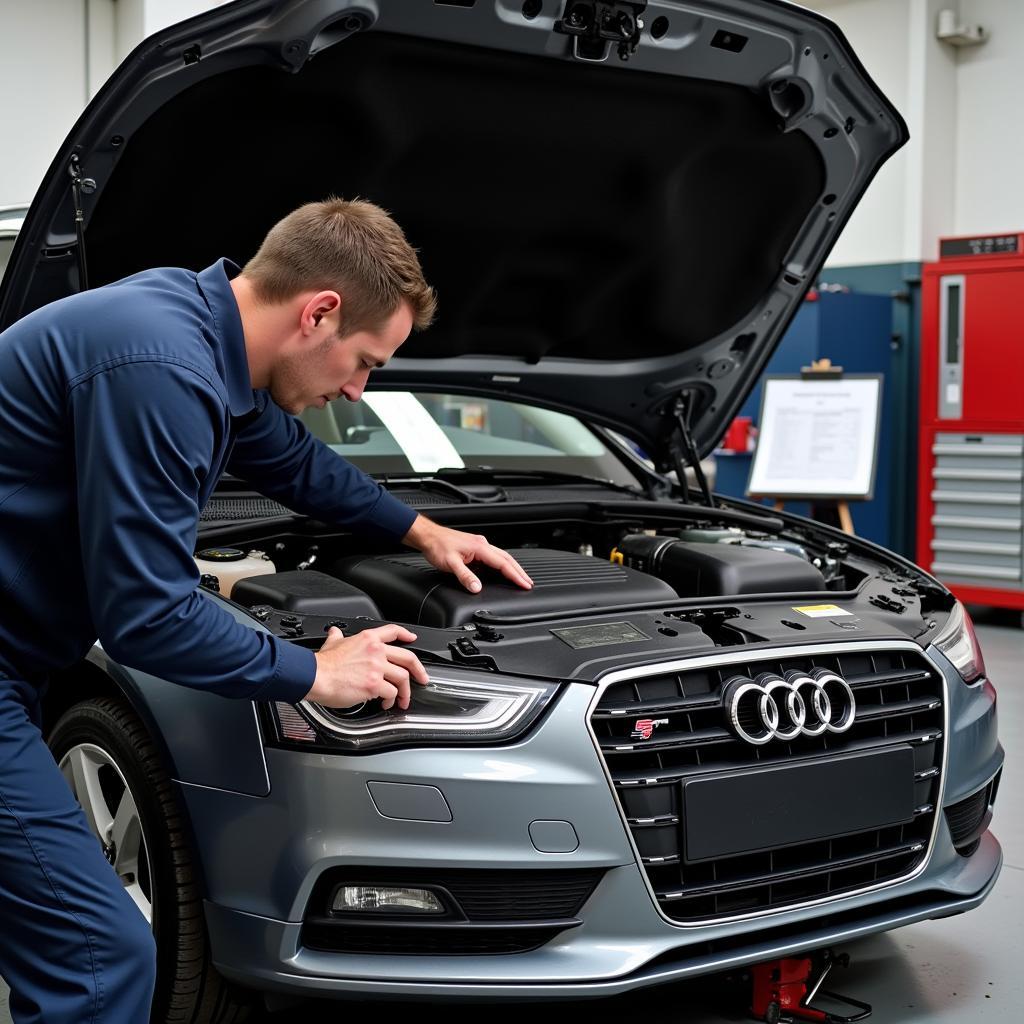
{"x":80,"y":186}
{"x":684,"y":451}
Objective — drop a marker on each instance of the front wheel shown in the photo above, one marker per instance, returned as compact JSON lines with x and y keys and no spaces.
{"x":116,"y":774}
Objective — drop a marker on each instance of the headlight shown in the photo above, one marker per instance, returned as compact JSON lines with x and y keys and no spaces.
{"x":959,"y":644}
{"x":452,"y":709}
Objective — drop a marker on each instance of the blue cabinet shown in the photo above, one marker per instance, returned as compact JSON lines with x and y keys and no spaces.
{"x":855,"y":332}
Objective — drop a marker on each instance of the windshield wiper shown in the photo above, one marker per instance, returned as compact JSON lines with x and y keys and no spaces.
{"x":484,"y":474}
{"x":428,"y":480}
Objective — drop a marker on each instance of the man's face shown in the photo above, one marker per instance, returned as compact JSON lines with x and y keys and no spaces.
{"x":337,"y":366}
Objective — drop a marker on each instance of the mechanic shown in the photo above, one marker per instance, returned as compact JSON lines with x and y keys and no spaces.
{"x":120,"y":408}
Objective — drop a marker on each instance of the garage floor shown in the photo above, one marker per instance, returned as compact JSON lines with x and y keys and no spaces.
{"x":962,"y":968}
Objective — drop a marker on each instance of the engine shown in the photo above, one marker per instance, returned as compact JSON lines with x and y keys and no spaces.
{"x":642,"y":569}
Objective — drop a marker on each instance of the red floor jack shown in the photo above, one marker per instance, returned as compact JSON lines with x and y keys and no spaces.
{"x":783,"y":990}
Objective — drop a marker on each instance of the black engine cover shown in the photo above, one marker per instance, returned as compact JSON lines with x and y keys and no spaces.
{"x":719,"y":570}
{"x":409,"y":589}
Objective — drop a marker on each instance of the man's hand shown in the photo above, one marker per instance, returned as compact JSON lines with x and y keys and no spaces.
{"x":352,"y":669}
{"x":452,"y":550}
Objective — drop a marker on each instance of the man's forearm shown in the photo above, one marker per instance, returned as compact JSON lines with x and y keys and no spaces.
{"x":419,"y":532}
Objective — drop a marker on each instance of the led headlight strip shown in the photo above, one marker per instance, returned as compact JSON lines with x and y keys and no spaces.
{"x":451,"y":709}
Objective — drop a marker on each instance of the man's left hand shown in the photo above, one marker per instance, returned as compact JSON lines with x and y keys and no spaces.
{"x":452,"y":551}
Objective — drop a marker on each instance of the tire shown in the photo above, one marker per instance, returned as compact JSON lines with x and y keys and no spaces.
{"x":102,"y":741}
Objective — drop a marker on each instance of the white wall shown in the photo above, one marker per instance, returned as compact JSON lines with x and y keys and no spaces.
{"x":55,"y":55}
{"x":932,"y":115}
{"x":961,"y":173}
{"x":43,"y":87}
{"x":963,"y":170}
{"x":877,"y":31}
{"x":129,"y":18}
{"x":137,"y":19}
{"x":161,"y":13}
{"x":990,"y":142}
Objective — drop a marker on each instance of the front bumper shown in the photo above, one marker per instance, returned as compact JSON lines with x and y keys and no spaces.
{"x":263,"y":855}
{"x":264,"y":954}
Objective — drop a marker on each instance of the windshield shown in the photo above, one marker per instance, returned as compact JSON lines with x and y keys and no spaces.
{"x":402,"y":432}
{"x":11,"y":218}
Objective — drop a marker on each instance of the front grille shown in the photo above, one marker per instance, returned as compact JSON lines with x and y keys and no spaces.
{"x":487,"y":912}
{"x":899,"y":703}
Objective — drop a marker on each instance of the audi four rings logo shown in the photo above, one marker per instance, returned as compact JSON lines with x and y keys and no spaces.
{"x":773,"y":707}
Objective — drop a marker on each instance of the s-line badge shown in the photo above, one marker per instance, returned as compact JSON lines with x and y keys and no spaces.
{"x":645,"y":726}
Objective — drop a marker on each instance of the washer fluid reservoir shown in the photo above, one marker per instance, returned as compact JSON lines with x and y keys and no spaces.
{"x":230,"y":565}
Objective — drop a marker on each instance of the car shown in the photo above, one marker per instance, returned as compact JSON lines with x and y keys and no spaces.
{"x":712,"y":734}
{"x":11,"y":219}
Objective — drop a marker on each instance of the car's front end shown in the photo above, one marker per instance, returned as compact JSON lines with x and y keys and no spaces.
{"x":710,"y":734}
{"x":593,"y":799}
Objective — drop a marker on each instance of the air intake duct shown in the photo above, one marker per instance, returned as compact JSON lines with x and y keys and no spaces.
{"x":709,"y":570}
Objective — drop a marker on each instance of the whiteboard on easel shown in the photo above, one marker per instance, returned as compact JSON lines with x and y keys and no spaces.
{"x":818,"y":438}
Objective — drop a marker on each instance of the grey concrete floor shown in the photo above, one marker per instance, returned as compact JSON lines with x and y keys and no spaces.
{"x":960,"y":969}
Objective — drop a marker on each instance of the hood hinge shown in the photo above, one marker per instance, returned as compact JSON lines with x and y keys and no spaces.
{"x":684,"y":451}
{"x":80,"y":186}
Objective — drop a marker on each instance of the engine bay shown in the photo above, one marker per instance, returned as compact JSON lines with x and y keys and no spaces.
{"x":641,"y":590}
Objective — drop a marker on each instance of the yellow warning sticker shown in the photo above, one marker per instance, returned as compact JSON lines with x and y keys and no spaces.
{"x":821,"y":611}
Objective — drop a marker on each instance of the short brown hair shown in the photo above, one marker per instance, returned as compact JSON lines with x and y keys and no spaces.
{"x":352,"y":247}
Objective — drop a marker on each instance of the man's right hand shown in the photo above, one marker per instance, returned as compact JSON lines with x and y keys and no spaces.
{"x":353,"y":669}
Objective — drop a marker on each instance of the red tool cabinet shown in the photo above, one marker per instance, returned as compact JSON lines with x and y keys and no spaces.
{"x":971,"y":465}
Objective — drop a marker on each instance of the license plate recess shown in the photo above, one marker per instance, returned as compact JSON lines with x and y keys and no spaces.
{"x":786,"y":804}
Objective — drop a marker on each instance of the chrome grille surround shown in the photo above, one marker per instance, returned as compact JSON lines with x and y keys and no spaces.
{"x":726,"y":660}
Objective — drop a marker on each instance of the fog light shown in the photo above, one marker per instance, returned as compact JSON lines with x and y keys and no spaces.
{"x":386,"y":899}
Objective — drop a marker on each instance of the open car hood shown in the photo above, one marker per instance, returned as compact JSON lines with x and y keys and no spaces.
{"x":614,"y":216}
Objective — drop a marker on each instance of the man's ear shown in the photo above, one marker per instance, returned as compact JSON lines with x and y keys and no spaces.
{"x":321,"y":307}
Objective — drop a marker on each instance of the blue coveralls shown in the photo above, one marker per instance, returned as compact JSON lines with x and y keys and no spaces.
{"x":119,"y":410}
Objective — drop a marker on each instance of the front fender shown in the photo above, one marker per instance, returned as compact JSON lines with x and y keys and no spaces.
{"x":209,"y":740}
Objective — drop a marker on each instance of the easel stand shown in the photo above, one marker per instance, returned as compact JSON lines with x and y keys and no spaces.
{"x":842,"y":510}
{"x":822,"y":369}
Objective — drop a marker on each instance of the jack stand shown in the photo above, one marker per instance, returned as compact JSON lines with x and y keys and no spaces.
{"x":783,"y":990}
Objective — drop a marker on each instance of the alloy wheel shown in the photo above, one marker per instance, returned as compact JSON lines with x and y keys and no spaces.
{"x":113,"y":816}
